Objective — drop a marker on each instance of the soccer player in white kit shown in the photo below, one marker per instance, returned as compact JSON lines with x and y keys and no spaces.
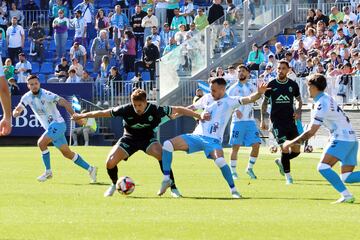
{"x":43,"y":104}
{"x":243,"y":126}
{"x":343,"y":144}
{"x":208,"y":135}
{"x":5,"y":100}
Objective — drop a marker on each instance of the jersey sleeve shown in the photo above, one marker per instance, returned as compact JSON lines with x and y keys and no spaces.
{"x":235,"y":102}
{"x":164,"y":111}
{"x":52,"y":97}
{"x":319,"y":114}
{"x":201,"y":103}
{"x":23,"y":102}
{"x":118,"y":111}
{"x":296,"y":90}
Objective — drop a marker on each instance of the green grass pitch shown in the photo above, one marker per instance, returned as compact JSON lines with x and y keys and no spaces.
{"x":68,"y":207}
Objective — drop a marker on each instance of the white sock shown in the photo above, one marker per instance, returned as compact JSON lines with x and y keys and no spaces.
{"x":346,"y":193}
{"x":166,"y":177}
{"x":251,"y":162}
{"x":233,"y":164}
{"x":233,"y":189}
{"x":287,"y":175}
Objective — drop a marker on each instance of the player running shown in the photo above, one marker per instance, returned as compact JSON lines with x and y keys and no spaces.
{"x":282,"y":115}
{"x":141,"y":120}
{"x":43,"y":104}
{"x":208,"y":135}
{"x":343,"y":144}
{"x":5,"y":100}
{"x":243,"y":126}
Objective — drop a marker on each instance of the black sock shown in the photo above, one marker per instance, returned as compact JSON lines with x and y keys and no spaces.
{"x":285,"y":161}
{"x":293,"y":155}
{"x":171,"y":175}
{"x":113,"y":174}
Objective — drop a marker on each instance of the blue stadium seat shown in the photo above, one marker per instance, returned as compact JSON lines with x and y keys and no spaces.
{"x":104,"y":4}
{"x":71,"y":33}
{"x":47,"y":68}
{"x":52,"y":46}
{"x":130,"y":75}
{"x":42,"y":78}
{"x":111,"y":43}
{"x":281,"y":39}
{"x":273,"y":49}
{"x":89,"y":67}
{"x":49,"y":55}
{"x":145,"y":76}
{"x":35,"y":67}
{"x":26,"y":45}
{"x":69,"y":44}
{"x":290,"y":40}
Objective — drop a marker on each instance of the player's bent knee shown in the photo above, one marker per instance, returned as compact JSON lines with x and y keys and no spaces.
{"x":323,"y":166}
{"x":344,"y":177}
{"x":167,"y":146}
{"x":220,"y":162}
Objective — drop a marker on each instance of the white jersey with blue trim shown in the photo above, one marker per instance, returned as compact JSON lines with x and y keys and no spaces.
{"x":243,"y":90}
{"x":1,"y":70}
{"x":326,"y":112}
{"x":44,"y":106}
{"x":220,"y":111}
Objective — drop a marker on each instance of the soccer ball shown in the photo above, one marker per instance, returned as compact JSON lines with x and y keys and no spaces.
{"x":308,"y":149}
{"x":273,"y":149}
{"x":125,"y":185}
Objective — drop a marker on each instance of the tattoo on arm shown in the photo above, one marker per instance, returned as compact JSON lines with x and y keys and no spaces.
{"x":303,"y":137}
{"x":263,"y":108}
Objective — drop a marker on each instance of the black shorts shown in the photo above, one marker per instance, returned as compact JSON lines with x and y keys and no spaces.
{"x":283,"y":132}
{"x":131,"y":145}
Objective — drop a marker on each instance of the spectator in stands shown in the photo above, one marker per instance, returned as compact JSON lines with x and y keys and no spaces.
{"x":311,"y":16}
{"x":86,"y":78}
{"x":267,"y":52}
{"x":51,"y":16}
{"x":73,"y":77}
{"x":13,"y":87}
{"x":326,"y":49}
{"x":342,"y":26}
{"x":88,"y":128}
{"x":128,"y":49}
{"x":119,"y":22}
{"x":320,"y":26}
{"x":300,"y":65}
{"x":232,"y":12}
{"x":61,"y":25}
{"x":349,"y":15}
{"x":299,"y":37}
{"x":192,"y":31}
{"x":61,"y":72}
{"x":352,"y":32}
{"x":341,"y":36}
{"x":255,"y":58}
{"x":31,"y":13}
{"x":114,"y":76}
{"x":9,"y":69}
{"x":149,"y":57}
{"x":273,"y":62}
{"x":231,"y":76}
{"x":344,"y":51}
{"x":216,"y":11}
{"x":22,"y":68}
{"x":3,"y":15}
{"x":198,"y":94}
{"x":180,"y":36}
{"x":165,"y":36}
{"x":60,"y":6}
{"x":310,"y":38}
{"x":88,"y":12}
{"x":172,"y":4}
{"x":320,"y":69}
{"x":78,"y":23}
{"x":77,"y":67}
{"x":301,"y":48}
{"x":201,"y":20}
{"x":3,"y":47}
{"x":15,"y":37}
{"x":101,"y":21}
{"x":220,"y":72}
{"x":227,"y":37}
{"x":333,"y":59}
{"x":321,"y":17}
{"x":188,"y":12}
{"x":160,"y":11}
{"x":148,"y":22}
{"x":104,"y":68}
{"x":279,"y":51}
{"x":170,"y":46}
{"x":14,"y":12}
{"x":99,"y":48}
{"x":336,"y":14}
{"x":289,"y":58}
{"x":344,"y":82}
{"x":177,"y":21}
{"x":155,"y":37}
{"x":136,"y":20}
{"x":269,"y":73}
{"x":329,"y":36}
{"x":78,"y":51}
{"x":37,"y":36}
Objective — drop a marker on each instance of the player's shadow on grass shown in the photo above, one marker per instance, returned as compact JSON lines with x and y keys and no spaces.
{"x":186,"y":197}
{"x":86,"y":184}
{"x":296,"y":180}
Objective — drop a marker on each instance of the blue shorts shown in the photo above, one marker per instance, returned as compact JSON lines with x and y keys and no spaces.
{"x":201,"y":143}
{"x":345,"y":152}
{"x":244,"y":133}
{"x":56,"y":132}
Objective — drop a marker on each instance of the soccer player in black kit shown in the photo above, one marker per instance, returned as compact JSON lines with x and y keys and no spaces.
{"x":141,"y":120}
{"x":283,"y":116}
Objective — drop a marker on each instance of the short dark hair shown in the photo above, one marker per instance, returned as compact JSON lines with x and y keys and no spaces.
{"x":318,"y":80}
{"x":243,"y":67}
{"x":284,"y":62}
{"x":32,"y":76}
{"x":219,"y":81}
{"x":138,"y":95}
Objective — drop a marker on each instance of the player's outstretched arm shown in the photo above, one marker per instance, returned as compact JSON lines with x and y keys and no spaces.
{"x":18,"y":110}
{"x":262,"y":88}
{"x":178,"y":110}
{"x":94,"y":114}
{"x":262,"y":114}
{"x":297,"y":114}
{"x":303,"y":137}
{"x":5,"y":99}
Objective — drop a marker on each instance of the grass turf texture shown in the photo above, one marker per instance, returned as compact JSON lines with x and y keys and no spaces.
{"x":68,"y":207}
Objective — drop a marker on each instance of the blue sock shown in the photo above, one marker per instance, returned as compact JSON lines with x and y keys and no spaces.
{"x":225,"y":170}
{"x":46,"y":159}
{"x":333,"y":178}
{"x":80,"y":162}
{"x":354,"y":177}
{"x":166,"y":161}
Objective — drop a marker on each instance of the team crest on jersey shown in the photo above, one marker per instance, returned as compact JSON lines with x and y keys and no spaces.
{"x":150,"y":118}
{"x":42,"y":102}
{"x":290,"y":89}
{"x":219,"y":103}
